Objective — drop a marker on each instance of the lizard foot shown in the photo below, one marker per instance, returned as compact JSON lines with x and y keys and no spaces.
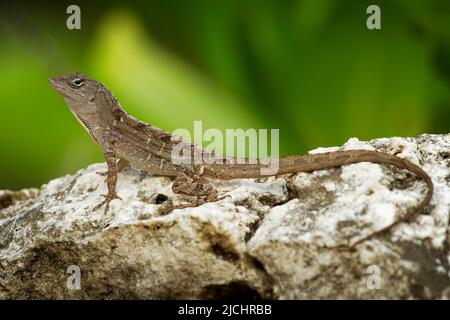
{"x":199,"y":202}
{"x":106,"y":202}
{"x":202,"y":200}
{"x":195,"y":186}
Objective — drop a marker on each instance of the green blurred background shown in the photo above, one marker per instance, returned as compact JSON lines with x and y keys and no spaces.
{"x":309,"y":67}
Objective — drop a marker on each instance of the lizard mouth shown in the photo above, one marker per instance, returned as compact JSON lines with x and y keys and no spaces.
{"x":59,"y":87}
{"x":55,"y":84}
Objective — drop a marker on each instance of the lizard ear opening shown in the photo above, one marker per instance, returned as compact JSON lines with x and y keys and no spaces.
{"x":91,"y":100}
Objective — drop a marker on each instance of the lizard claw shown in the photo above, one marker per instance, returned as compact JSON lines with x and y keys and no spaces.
{"x":223,"y":197}
{"x":203,"y":200}
{"x":106,"y":202}
{"x":200,"y":201}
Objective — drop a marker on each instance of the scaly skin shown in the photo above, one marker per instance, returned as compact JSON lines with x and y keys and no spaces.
{"x":150,"y":149}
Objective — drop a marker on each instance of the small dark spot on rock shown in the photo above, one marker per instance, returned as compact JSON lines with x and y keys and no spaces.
{"x":244,"y":203}
{"x":5,"y":201}
{"x":152,"y":227}
{"x":221,"y":252}
{"x":363,"y":212}
{"x":403,"y":183}
{"x":350,"y":228}
{"x":253,"y":227}
{"x":268,"y":200}
{"x":160,"y":198}
{"x":345,"y":224}
{"x":142,"y":175}
{"x":258,"y":265}
{"x":444,"y":155}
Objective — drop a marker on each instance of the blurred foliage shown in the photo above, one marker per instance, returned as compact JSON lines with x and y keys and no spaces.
{"x":309,"y":67}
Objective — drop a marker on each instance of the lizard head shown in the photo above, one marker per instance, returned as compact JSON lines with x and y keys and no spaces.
{"x":75,"y":87}
{"x":82,"y":94}
{"x":88,"y":99}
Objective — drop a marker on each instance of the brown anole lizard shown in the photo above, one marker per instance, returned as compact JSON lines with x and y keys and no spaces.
{"x":150,"y":149}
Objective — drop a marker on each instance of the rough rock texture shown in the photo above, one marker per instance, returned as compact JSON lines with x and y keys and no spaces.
{"x":272,"y":238}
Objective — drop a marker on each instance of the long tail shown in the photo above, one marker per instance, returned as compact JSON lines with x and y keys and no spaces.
{"x":319,"y":161}
{"x":340,"y":158}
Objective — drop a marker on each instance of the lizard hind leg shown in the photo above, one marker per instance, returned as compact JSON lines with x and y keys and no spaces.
{"x":195,"y":186}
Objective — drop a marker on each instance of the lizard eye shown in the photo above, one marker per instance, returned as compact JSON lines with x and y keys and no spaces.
{"x":78,"y":82}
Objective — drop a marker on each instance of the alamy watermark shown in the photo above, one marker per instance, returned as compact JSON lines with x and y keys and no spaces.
{"x":74,"y":20}
{"x":374,"y":279}
{"x":254,"y":144}
{"x":74,"y":280}
{"x":374,"y":20}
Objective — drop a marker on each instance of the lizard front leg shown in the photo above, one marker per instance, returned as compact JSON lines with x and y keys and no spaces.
{"x":111,"y":180}
{"x":120,"y":164}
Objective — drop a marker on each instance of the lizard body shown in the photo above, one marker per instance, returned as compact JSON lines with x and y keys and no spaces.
{"x":150,"y":149}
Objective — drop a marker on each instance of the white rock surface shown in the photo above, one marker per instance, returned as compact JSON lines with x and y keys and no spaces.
{"x":272,"y":238}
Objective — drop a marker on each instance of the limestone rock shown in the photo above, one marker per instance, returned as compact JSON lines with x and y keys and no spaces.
{"x":272,"y":238}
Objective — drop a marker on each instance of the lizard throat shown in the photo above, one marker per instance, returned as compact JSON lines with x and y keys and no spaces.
{"x":85,"y":124}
